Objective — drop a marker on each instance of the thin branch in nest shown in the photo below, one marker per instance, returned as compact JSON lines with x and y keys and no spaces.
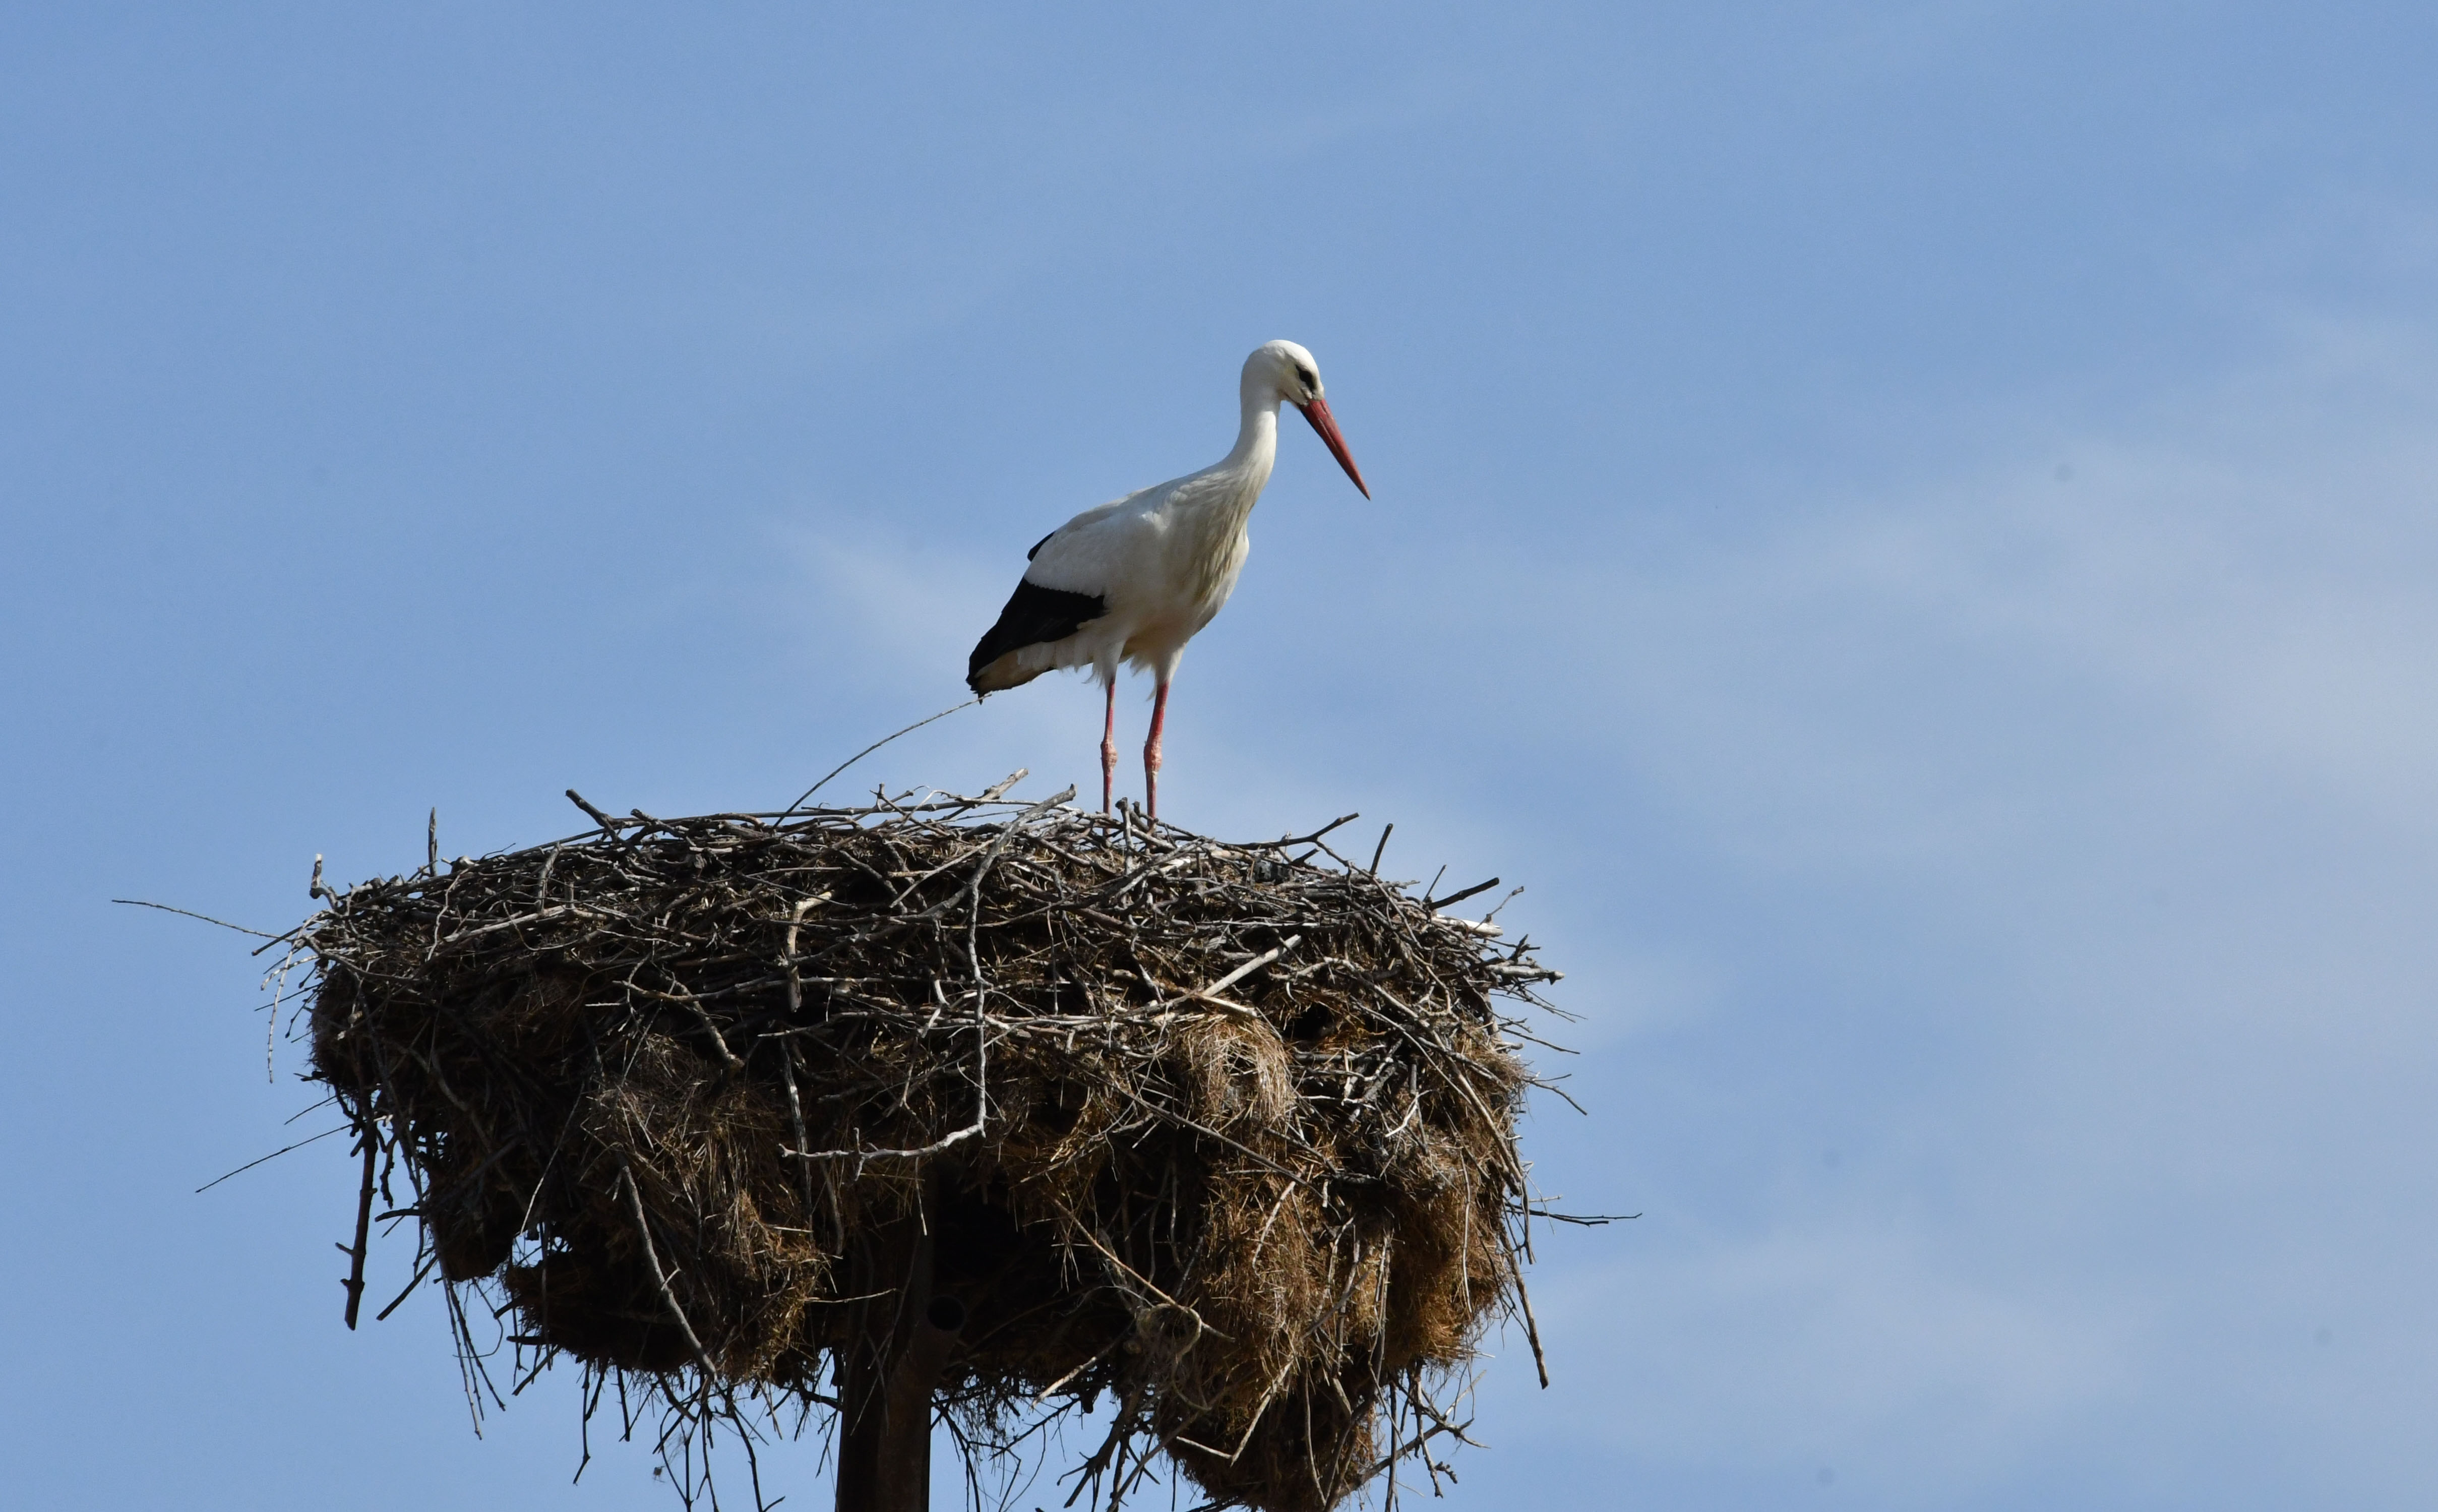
{"x":661,"y":1277}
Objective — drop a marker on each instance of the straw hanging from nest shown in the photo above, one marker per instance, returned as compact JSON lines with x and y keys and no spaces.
{"x":1006,"y":1108}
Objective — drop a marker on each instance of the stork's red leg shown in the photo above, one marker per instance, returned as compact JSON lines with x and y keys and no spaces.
{"x":1109,"y":747}
{"x":1151,"y":751}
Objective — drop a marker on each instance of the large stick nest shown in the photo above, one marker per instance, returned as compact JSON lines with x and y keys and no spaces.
{"x":1216,"y":1133}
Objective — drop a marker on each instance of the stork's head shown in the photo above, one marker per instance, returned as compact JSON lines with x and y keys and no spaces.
{"x":1285,"y":371}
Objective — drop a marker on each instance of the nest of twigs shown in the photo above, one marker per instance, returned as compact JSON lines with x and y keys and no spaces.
{"x":1221,"y":1135}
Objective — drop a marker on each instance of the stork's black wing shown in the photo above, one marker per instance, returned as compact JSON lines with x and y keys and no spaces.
{"x":1035,"y":616}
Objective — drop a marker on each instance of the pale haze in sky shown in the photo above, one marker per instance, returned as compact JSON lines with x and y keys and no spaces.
{"x":1909,"y":528}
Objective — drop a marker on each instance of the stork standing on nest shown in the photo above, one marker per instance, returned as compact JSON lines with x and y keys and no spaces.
{"x":1133,"y":580}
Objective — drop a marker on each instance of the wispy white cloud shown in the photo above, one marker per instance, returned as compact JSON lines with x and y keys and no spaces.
{"x":1839,"y":1340}
{"x":2148,"y":717}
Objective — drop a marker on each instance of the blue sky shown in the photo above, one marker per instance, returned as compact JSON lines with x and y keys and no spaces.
{"x":1909,"y":527}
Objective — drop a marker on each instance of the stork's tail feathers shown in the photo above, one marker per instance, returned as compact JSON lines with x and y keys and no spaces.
{"x":1000,"y":675}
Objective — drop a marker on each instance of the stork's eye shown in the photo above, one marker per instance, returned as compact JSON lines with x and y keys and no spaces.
{"x":1309,"y":381}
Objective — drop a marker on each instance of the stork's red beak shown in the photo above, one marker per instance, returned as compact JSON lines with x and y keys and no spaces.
{"x":1317,"y":412}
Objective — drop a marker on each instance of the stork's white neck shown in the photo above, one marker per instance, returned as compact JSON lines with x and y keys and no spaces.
{"x":1257,"y":435}
{"x":1213,"y":508}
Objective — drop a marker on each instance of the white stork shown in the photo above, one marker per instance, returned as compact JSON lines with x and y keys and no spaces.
{"x":1132,"y":581}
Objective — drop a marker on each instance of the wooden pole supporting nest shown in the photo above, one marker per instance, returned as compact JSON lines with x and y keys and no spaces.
{"x":961,"y":1107}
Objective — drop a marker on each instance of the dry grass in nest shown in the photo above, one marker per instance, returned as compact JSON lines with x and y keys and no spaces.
{"x":1219,"y":1134}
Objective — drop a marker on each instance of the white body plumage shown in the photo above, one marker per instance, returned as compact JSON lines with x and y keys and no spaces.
{"x":1162,"y":559}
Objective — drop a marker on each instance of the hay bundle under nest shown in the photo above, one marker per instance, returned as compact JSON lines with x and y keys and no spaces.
{"x":1062,"y":1110}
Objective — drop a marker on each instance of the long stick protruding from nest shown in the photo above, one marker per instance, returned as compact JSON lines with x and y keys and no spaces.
{"x":807,"y":796}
